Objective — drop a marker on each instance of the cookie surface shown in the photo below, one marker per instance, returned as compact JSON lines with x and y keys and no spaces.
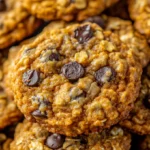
{"x":31,"y":136}
{"x":131,"y":37}
{"x":14,"y":29}
{"x":66,"y":9}
{"x":140,"y":13}
{"x":139,"y":118}
{"x":9,"y":113}
{"x":76,"y":80}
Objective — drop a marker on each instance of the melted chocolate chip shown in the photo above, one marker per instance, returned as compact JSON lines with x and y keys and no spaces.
{"x":55,"y":141}
{"x":72,"y":1}
{"x":105,"y":74}
{"x":2,"y":5}
{"x":54,"y":57}
{"x":31,"y":78}
{"x":83,"y":34}
{"x":73,"y":71}
{"x":37,"y":113}
{"x":96,"y":19}
{"x":147,"y":101}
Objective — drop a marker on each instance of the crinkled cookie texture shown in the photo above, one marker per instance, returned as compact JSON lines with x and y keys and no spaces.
{"x":131,"y":37}
{"x":14,"y":29}
{"x":139,"y":118}
{"x":31,"y":136}
{"x":66,"y":9}
{"x":140,"y":13}
{"x":76,"y":80}
{"x":9,"y":113}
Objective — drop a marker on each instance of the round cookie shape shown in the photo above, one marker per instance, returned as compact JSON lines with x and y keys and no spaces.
{"x":139,"y":118}
{"x":69,"y":99}
{"x":139,"y":12}
{"x":66,"y":9}
{"x":32,"y":135}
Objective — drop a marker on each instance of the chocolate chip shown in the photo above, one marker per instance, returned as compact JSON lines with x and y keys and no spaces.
{"x":72,"y":1}
{"x":83,"y":139}
{"x":96,"y":19}
{"x":54,"y":57}
{"x":73,"y":71}
{"x":49,"y":56}
{"x":2,"y":5}
{"x":55,"y":141}
{"x":37,"y":113}
{"x":147,"y":101}
{"x":31,"y":78}
{"x":105,"y":74}
{"x":83,"y":34}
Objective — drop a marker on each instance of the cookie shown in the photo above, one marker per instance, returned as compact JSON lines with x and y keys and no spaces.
{"x":14,"y":29}
{"x":66,"y":9}
{"x":31,"y":136}
{"x":139,"y":118}
{"x":76,"y":80}
{"x":9,"y":112}
{"x":131,"y":37}
{"x":139,"y":12}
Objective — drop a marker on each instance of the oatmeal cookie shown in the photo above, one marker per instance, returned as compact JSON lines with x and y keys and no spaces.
{"x":76,"y":80}
{"x":66,"y":9}
{"x":9,"y":112}
{"x":14,"y":29}
{"x":139,"y":118}
{"x":140,"y":13}
{"x":31,"y":136}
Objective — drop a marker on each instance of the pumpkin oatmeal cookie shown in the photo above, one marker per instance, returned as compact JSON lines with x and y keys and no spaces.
{"x":31,"y":136}
{"x":66,"y":9}
{"x":139,"y":118}
{"x":140,"y":13}
{"x":14,"y":29}
{"x":76,"y":80}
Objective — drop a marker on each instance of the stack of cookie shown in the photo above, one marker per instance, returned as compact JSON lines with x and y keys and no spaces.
{"x":74,"y":75}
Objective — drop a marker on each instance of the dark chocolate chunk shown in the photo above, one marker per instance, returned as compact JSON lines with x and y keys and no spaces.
{"x":96,"y":19}
{"x":83,"y":34}
{"x":2,"y":5}
{"x":31,"y":78}
{"x":54,"y":57}
{"x":37,"y":113}
{"x":147,"y":101}
{"x":73,"y":71}
{"x":55,"y":141}
{"x":105,"y":74}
